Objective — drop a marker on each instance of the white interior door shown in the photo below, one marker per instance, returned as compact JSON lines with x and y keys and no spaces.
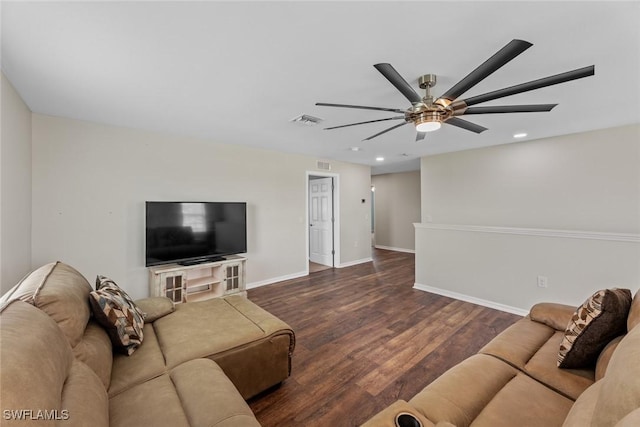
{"x":321,"y":221}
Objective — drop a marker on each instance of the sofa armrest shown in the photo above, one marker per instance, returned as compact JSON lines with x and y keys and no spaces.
{"x":556,"y":316}
{"x":387,"y":417}
{"x":155,"y":307}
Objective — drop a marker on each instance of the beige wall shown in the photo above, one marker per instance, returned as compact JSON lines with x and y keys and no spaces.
{"x":90,"y":183}
{"x":397,"y":208}
{"x":567,"y":208}
{"x":15,"y":187}
{"x":586,"y":181}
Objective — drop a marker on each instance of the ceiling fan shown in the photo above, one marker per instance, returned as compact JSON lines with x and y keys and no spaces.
{"x":428,"y":114}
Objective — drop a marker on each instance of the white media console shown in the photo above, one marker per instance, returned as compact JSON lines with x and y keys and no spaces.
{"x":187,"y":283}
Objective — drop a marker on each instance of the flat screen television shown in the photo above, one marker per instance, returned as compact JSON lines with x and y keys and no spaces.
{"x":194,"y":232}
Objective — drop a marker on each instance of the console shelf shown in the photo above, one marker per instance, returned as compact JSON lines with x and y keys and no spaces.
{"x":188,"y":283}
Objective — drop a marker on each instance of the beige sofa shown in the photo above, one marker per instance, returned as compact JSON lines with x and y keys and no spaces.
{"x":196,"y":365}
{"x":514,"y":381}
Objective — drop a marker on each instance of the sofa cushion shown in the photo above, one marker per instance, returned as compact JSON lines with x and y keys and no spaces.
{"x":513,"y":405}
{"x":631,"y":420}
{"x":151,"y":403}
{"x":620,"y":393}
{"x":30,"y":380}
{"x":542,"y":367}
{"x":155,"y":307}
{"x":485,"y":391}
{"x":60,"y":291}
{"x":85,"y":398}
{"x":146,"y":363}
{"x":556,"y":316}
{"x":39,"y":372}
{"x":519,"y":342}
{"x":95,"y":351}
{"x":581,"y":413}
{"x":605,"y":357}
{"x":532,"y":347}
{"x":201,"y":381}
{"x":196,"y":393}
{"x":634,"y":312}
{"x":445,"y":400}
{"x":223,"y":324}
{"x":118,"y":314}
{"x":602,"y":317}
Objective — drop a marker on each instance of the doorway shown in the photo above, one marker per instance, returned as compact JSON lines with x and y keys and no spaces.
{"x":322,"y":221}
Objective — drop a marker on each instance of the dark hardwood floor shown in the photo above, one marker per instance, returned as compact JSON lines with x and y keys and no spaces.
{"x":365,"y":338}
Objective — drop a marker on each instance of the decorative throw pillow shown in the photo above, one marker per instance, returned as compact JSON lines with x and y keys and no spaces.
{"x":601,"y":318}
{"x":118,"y":314}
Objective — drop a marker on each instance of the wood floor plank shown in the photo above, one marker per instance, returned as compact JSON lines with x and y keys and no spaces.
{"x":405,"y":354}
{"x":365,"y":338}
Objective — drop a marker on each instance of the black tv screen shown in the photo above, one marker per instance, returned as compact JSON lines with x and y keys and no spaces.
{"x":192,"y":232}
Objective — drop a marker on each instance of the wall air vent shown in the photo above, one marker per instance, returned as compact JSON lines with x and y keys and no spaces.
{"x":325,"y":166}
{"x":306,"y":119}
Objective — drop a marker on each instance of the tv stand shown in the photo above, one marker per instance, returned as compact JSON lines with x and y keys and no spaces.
{"x":201,"y":260}
{"x":204,"y":280}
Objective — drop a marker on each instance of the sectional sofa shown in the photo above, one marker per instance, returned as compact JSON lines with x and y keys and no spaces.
{"x":515,"y":380}
{"x":197,"y":363}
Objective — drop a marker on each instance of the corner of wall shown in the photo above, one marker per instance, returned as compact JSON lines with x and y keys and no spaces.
{"x":15,"y":186}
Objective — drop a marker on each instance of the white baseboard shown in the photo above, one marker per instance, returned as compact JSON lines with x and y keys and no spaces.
{"x":473,"y":300}
{"x":391,"y":248}
{"x":568,"y":234}
{"x":356,"y":262}
{"x":254,"y":285}
{"x":276,"y":279}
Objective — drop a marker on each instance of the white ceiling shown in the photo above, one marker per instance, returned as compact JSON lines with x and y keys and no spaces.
{"x":238,"y":72}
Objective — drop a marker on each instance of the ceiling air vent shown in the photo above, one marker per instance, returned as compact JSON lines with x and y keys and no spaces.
{"x":325,"y":166}
{"x":306,"y":119}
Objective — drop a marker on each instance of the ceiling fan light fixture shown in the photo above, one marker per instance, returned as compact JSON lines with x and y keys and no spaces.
{"x":428,"y":126}
{"x":427,"y":121}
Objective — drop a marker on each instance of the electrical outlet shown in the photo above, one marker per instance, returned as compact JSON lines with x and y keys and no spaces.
{"x":543,"y":281}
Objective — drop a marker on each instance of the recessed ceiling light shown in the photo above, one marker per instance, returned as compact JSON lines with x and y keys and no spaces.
{"x":379,"y":159}
{"x":519,"y":135}
{"x":355,"y":148}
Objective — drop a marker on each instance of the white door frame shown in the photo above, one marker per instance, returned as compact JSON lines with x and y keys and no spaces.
{"x":322,"y":220}
{"x":336,"y":214}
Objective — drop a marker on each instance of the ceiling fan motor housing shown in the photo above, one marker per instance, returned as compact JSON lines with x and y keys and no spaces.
{"x":427,"y":112}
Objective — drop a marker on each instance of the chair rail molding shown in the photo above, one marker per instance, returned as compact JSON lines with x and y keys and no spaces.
{"x":541,"y":232}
